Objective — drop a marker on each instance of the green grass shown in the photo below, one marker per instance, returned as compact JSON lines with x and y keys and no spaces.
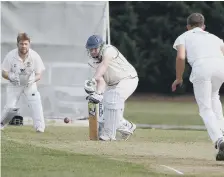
{"x":66,"y":151}
{"x":23,"y":160}
{"x":168,"y":113}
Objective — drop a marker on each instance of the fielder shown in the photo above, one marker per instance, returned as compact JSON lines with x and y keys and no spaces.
{"x":205,"y":53}
{"x":23,"y":68}
{"x":121,"y":80}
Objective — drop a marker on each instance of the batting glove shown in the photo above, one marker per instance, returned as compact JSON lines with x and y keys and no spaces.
{"x":90,"y":86}
{"x":95,"y":98}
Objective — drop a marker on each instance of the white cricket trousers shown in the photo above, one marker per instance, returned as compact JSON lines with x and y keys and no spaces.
{"x":125,"y":87}
{"x":114,"y":100}
{"x":207,"y":78}
{"x":32,"y":97}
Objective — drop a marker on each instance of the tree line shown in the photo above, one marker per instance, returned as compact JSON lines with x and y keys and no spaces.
{"x":145,"y":32}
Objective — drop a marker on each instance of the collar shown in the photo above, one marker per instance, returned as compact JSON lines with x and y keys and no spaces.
{"x":197,"y":29}
{"x":16,"y":56}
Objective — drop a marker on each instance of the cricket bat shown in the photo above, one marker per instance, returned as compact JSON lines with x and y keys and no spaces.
{"x":93,"y":110}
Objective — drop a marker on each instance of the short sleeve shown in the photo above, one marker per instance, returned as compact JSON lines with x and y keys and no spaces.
{"x":221,"y":42}
{"x":38,"y":64}
{"x":179,"y":41}
{"x":217,"y":40}
{"x":6,"y":65}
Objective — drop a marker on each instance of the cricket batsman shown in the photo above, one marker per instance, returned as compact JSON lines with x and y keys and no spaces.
{"x":205,"y":53}
{"x":121,"y":80}
{"x":23,"y":67}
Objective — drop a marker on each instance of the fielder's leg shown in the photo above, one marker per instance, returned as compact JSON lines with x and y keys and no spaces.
{"x":220,"y":147}
{"x":34,"y":101}
{"x":113,"y":112}
{"x":216,"y":103}
{"x":217,"y":81}
{"x":203,"y":91}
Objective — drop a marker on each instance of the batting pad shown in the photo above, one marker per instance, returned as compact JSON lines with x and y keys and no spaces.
{"x":113,"y":112}
{"x":113,"y":100}
{"x":112,"y":117}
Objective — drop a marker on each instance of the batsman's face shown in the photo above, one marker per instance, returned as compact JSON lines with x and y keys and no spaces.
{"x":23,"y":47}
{"x":94,"y":52}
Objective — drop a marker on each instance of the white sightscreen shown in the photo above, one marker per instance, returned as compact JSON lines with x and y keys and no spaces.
{"x":58,"y":32}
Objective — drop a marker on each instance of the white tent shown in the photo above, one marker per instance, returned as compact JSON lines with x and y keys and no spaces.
{"x":58,"y":33}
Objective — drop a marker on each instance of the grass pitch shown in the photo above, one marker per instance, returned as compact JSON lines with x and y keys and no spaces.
{"x":66,"y":151}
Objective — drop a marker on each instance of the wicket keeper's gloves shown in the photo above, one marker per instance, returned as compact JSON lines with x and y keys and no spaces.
{"x":14,"y":78}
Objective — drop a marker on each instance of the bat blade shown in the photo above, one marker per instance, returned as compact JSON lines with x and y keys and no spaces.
{"x":93,"y":120}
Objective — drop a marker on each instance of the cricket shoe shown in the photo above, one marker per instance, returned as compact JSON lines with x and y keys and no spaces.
{"x":220,"y":147}
{"x":106,"y":138}
{"x":126,"y":132}
{"x":40,"y":130}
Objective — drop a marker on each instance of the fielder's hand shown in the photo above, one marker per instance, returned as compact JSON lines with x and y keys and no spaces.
{"x":176,"y":83}
{"x":95,"y":98}
{"x":90,"y":86}
{"x":14,"y":78}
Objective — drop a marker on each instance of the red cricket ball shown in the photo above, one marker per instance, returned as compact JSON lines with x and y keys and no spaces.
{"x":66,"y":120}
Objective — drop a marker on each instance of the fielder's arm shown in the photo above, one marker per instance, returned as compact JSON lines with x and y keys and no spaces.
{"x":38,"y":67}
{"x":6,"y":66}
{"x":222,"y":49}
{"x":180,"y":62}
{"x":37,"y":77}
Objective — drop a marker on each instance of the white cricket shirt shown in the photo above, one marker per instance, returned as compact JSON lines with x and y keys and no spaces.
{"x":200,"y":46}
{"x":119,"y":68}
{"x":32,"y":64}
